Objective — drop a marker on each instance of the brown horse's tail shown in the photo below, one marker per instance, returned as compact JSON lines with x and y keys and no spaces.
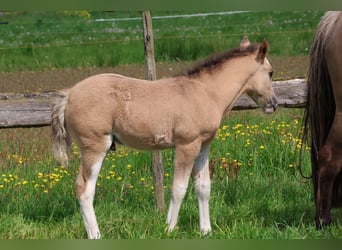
{"x":320,"y":104}
{"x":60,"y":137}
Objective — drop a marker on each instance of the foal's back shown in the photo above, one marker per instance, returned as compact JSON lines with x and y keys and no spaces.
{"x":160,"y":113}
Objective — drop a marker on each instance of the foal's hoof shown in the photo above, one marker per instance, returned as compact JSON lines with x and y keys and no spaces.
{"x":205,"y":232}
{"x":171,"y":229}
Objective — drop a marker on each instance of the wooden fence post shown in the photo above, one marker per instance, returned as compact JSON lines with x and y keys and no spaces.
{"x":157,"y":161}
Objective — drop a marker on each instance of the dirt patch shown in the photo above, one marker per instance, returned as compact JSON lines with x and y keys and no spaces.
{"x":290,"y":67}
{"x":55,"y":79}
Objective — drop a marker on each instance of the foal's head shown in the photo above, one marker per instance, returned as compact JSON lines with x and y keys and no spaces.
{"x":259,"y":85}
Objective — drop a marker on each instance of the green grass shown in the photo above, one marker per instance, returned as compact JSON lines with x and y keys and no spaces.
{"x":256,"y":190}
{"x":40,"y":40}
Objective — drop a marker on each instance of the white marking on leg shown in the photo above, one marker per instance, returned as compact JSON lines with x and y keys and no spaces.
{"x":203,"y":194}
{"x":87,"y":197}
{"x":177,"y":194}
{"x":202,"y":189}
{"x":184,"y":162}
{"x":86,"y":201}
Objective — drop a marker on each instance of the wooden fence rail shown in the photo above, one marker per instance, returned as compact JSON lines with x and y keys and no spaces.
{"x":28,"y":110}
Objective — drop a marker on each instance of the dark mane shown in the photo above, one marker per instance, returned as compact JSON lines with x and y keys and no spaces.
{"x":216,"y":60}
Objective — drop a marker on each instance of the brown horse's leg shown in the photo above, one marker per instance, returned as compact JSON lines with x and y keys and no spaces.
{"x":325,"y":181}
{"x":92,"y":158}
{"x":184,"y":161}
{"x":330,"y":164}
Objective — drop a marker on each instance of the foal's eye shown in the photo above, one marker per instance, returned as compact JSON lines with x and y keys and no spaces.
{"x":270,"y":74}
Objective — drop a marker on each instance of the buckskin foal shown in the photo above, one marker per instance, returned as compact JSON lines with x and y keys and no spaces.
{"x":182,"y":112}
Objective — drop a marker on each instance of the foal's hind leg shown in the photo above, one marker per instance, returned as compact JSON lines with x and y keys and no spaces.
{"x":330,"y":164}
{"x":184,"y":162}
{"x":92,"y":158}
{"x":201,"y":177}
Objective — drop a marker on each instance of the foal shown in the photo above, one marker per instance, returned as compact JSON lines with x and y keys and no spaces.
{"x":182,"y":112}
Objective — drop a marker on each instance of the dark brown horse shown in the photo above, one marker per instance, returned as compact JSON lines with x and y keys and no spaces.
{"x":323,"y":116}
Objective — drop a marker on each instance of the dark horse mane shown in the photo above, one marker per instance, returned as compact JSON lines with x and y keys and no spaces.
{"x":320,"y":106}
{"x":215,"y":61}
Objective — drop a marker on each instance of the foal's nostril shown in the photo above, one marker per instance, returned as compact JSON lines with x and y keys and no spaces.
{"x":271,"y":106}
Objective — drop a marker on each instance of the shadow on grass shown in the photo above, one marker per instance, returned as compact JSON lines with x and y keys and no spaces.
{"x":48,"y":208}
{"x":283,"y":206}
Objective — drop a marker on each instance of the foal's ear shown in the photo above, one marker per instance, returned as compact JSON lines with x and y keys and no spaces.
{"x":245,"y":42}
{"x":262,"y":51}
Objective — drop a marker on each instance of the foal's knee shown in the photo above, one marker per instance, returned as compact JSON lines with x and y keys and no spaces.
{"x":202,"y":190}
{"x":178,"y":191}
{"x":80,"y":185}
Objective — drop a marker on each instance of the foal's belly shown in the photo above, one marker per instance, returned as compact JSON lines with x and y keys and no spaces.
{"x":146,"y":142}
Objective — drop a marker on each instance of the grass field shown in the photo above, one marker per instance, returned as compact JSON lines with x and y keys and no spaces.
{"x":257,"y":192}
{"x":35,"y":40}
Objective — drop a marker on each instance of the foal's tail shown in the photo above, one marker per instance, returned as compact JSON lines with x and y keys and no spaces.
{"x":60,"y":137}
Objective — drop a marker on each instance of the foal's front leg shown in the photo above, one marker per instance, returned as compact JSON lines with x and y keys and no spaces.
{"x":201,"y":177}
{"x":184,"y":162}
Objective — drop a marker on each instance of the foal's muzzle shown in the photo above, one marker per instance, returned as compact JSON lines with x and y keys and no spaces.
{"x":271,"y":106}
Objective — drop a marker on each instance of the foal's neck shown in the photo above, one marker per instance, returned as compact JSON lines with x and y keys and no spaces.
{"x":227,"y":83}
